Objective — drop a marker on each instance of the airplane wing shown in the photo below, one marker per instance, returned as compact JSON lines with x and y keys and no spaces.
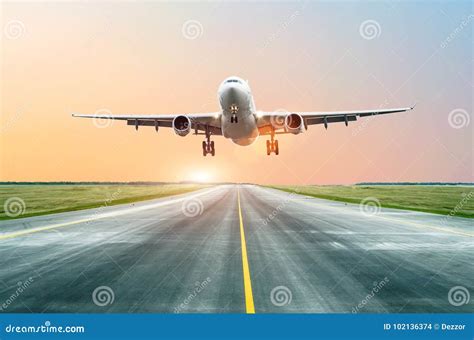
{"x":276,"y":120}
{"x":199,"y":121}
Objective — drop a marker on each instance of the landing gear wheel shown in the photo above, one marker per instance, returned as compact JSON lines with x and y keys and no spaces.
{"x":272,"y":145}
{"x":213,"y":150}
{"x":208,"y":145}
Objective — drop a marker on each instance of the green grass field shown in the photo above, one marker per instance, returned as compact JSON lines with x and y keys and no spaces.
{"x":437,"y":199}
{"x":41,"y":199}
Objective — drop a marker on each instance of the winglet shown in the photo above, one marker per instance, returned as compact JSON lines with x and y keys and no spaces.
{"x":413,"y":106}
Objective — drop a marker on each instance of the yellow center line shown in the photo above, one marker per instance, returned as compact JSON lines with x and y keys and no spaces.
{"x":249,"y":306}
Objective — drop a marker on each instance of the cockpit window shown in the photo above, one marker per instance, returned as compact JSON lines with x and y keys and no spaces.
{"x":233,"y":81}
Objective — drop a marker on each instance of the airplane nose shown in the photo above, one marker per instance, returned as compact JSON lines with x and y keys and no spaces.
{"x":233,"y":97}
{"x":232,"y":92}
{"x":235,"y":93}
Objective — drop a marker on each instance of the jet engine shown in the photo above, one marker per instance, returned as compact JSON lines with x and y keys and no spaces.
{"x":294,"y":123}
{"x":181,"y":125}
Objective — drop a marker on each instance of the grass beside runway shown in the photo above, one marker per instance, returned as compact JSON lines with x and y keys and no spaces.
{"x":437,"y":199}
{"x":41,"y":199}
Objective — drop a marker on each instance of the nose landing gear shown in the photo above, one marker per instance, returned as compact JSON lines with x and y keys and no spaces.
{"x":208,"y":145}
{"x":234,"y":108}
{"x":272,"y":145}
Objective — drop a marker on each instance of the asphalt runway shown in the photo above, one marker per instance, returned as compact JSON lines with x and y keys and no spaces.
{"x":236,"y":249}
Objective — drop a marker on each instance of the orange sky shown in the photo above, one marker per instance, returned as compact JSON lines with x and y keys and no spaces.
{"x":133,"y":58}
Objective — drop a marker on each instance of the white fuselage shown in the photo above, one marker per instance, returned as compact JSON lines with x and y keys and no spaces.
{"x":236,"y":100}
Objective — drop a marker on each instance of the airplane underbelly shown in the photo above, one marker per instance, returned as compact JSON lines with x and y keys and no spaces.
{"x":242,"y":132}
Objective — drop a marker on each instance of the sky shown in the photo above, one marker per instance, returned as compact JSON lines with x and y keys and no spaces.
{"x":162,"y":58}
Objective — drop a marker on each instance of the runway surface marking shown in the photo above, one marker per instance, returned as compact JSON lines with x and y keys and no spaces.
{"x":249,"y":305}
{"x":396,"y":220}
{"x":417,"y":225}
{"x":101,"y":216}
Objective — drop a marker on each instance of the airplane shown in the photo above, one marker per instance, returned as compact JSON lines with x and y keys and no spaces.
{"x":239,"y":120}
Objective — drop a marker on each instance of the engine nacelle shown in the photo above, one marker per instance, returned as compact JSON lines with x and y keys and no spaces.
{"x":294,"y":123}
{"x":182,"y":125}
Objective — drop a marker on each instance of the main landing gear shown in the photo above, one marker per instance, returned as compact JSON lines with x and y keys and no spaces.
{"x":272,"y":145}
{"x":208,"y":145}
